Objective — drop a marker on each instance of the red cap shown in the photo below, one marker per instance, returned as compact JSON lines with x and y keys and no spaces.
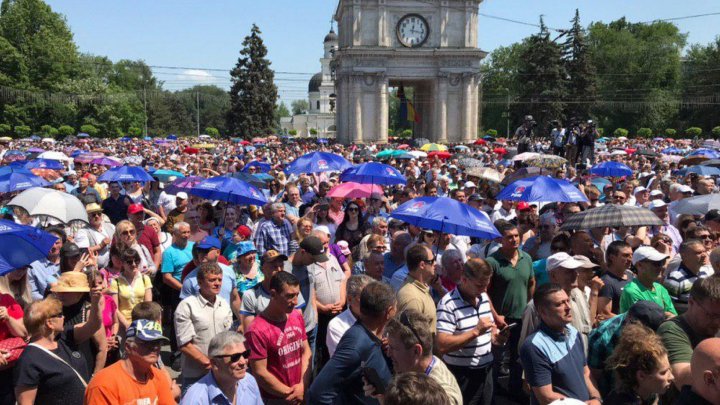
{"x":244,"y":231}
{"x":523,"y":206}
{"x":135,"y":209}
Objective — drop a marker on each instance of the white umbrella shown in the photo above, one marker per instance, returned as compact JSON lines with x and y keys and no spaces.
{"x":524,"y":156}
{"x":417,"y":154}
{"x":54,"y":155}
{"x":53,"y":203}
{"x":618,"y":153}
{"x":48,"y":140}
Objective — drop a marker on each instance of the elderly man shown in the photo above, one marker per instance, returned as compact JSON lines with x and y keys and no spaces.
{"x":198,"y":318}
{"x":177,"y":214}
{"x":683,"y":333}
{"x":705,"y":186}
{"x":538,"y":246}
{"x":134,"y":379}
{"x":452,"y":269}
{"x":410,"y":346}
{"x":650,"y":265}
{"x":562,"y":372}
{"x":704,"y":387}
{"x":228,"y":381}
{"x":379,"y":227}
{"x":465,"y":331}
{"x":340,"y":324}
{"x":292,"y":206}
{"x":340,"y":381}
{"x":660,"y":208}
{"x":177,"y":256}
{"x":276,"y":233}
{"x":96,"y":237}
{"x":693,"y":266}
{"x":71,"y":181}
{"x":86,"y":194}
{"x":373,"y":263}
{"x":395,"y":258}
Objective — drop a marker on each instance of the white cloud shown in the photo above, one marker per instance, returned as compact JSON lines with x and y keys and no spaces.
{"x":197,"y":75}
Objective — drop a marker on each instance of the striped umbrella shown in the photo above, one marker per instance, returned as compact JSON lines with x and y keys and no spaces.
{"x":611,"y":215}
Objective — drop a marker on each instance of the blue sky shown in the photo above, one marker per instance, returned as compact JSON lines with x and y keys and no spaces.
{"x":209,"y":33}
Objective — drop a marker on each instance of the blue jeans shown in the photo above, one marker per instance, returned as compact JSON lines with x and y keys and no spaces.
{"x":312,"y":337}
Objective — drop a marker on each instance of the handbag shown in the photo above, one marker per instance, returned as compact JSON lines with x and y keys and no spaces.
{"x":13,"y":347}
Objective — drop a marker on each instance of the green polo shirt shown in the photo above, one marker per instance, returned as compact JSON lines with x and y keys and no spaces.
{"x":634,"y":291}
{"x":509,"y":291}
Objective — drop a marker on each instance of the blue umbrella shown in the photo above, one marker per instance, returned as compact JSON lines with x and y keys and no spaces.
{"x":322,"y":140}
{"x":35,"y":137}
{"x":125,"y":174}
{"x":373,"y":173}
{"x":35,"y":149}
{"x":611,"y":169}
{"x":21,"y":245}
{"x":44,"y":164}
{"x":230,"y":190}
{"x":263,"y":176}
{"x":709,"y":153}
{"x":250,"y":178}
{"x":183,"y":185}
{"x":125,"y":139}
{"x":318,"y":162}
{"x":172,"y":137}
{"x":83,"y":135}
{"x":249,"y":149}
{"x":14,"y":155}
{"x":147,"y":138}
{"x":261,"y":166}
{"x":701,"y":170}
{"x":540,"y":189}
{"x":15,"y":179}
{"x":78,"y":152}
{"x":600,"y":182}
{"x":167,"y":175}
{"x":447,"y":216}
{"x":671,"y":149}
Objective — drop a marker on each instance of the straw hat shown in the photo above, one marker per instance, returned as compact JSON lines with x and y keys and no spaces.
{"x":71,"y":281}
{"x":93,"y":207}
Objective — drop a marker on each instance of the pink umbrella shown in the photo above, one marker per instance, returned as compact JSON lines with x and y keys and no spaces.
{"x":355,"y":190}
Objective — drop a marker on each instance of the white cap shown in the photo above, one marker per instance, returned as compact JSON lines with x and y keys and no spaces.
{"x":181,"y":195}
{"x":469,"y":184}
{"x":656,"y":192}
{"x":322,"y":228}
{"x":639,"y":189}
{"x":656,"y":204}
{"x":647,"y":253}
{"x":685,"y":189}
{"x":564,"y":260}
{"x":675,"y":187}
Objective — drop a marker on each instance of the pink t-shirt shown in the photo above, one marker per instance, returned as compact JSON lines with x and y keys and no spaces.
{"x":281,"y":344}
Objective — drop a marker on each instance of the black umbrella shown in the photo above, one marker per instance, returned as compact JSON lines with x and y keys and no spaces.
{"x":525,"y":172}
{"x":611,"y":215}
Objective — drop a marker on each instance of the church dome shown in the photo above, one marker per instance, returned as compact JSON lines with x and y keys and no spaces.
{"x":331,"y":36}
{"x":315,"y":82}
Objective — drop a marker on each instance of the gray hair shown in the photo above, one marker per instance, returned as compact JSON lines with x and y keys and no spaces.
{"x":356,"y":283}
{"x":276,"y":206}
{"x":378,"y":220}
{"x":177,"y":226}
{"x":222,"y":340}
{"x":449,"y":255}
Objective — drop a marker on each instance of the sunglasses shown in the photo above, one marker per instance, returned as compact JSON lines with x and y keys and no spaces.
{"x":406,"y":322}
{"x":96,"y":214}
{"x":352,"y":210}
{"x":235,"y":357}
{"x":132,"y":262}
{"x":430,"y":261}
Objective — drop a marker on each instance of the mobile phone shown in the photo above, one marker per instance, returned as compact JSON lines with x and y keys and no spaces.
{"x":509,"y":326}
{"x":373,"y":378}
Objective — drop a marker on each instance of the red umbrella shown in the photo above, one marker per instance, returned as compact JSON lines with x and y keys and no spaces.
{"x":480,"y":142}
{"x":630,"y":151}
{"x":500,"y":151}
{"x":403,"y":146}
{"x":191,"y":151}
{"x":245,"y":143}
{"x":439,"y":154}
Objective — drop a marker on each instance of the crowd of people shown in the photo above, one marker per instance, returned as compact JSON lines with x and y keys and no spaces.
{"x":319,"y":299}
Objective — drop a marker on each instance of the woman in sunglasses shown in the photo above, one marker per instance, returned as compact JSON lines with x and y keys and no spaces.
{"x":126,"y":238}
{"x":131,"y":287}
{"x":353,"y":227}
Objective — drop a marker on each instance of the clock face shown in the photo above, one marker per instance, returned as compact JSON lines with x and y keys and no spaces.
{"x":412,"y":30}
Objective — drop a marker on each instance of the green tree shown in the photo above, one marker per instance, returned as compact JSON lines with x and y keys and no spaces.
{"x":89,"y":129}
{"x":253,"y":94}
{"x":22,"y":131}
{"x":5,"y":130}
{"x":212,"y":132}
{"x":693,"y":132}
{"x":544,"y":80}
{"x":580,"y":69}
{"x":48,"y":131}
{"x":492,"y":132}
{"x":134,"y":132}
{"x":65,"y":130}
{"x":621,"y":132}
{"x":281,"y":110}
{"x":501,"y":84}
{"x":670,"y":133}
{"x":716,"y":132}
{"x":299,"y":107}
{"x":644,"y":132}
{"x":699,"y":84}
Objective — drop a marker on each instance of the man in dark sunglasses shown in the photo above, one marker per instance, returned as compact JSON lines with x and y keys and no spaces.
{"x":228,"y":380}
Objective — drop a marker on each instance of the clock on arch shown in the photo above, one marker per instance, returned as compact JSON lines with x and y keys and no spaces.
{"x":412,"y":30}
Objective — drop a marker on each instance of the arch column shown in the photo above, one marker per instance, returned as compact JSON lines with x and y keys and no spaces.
{"x":382,"y":119}
{"x":441,"y":108}
{"x":356,"y":97}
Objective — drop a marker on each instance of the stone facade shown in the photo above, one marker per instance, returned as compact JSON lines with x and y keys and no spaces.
{"x":444,"y":70}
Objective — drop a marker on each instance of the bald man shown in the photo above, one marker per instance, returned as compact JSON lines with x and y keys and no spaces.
{"x":705,"y":386}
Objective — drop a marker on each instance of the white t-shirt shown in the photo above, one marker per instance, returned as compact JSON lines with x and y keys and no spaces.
{"x":336,"y":329}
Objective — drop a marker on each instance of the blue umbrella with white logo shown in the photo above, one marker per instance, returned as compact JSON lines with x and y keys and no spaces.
{"x":260,"y":167}
{"x":447,"y":216}
{"x":125,"y":174}
{"x":44,"y":164}
{"x":17,"y":179}
{"x":230,"y":190}
{"x":541,"y":189}
{"x":21,"y":245}
{"x":611,"y":169}
{"x":318,"y":162}
{"x":373,"y":173}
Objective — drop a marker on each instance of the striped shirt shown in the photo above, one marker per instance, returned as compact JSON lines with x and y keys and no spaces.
{"x":456,"y":316}
{"x":680,"y":281}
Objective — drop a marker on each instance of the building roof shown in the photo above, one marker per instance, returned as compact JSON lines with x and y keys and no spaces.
{"x":315,"y":82}
{"x":331,"y":36}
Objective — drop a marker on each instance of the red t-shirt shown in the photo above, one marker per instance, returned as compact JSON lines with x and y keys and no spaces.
{"x":15,"y":311}
{"x":149,"y":238}
{"x":281,"y":344}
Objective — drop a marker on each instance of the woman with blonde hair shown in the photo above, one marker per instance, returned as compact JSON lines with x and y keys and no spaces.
{"x":641,"y":366}
{"x":126,"y":238}
{"x":303,"y":228}
{"x":16,"y":284}
{"x":51,"y":370}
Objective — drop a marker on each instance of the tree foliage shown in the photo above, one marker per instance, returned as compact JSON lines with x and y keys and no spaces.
{"x":253,"y":94}
{"x":582,"y":91}
{"x":299,"y":107}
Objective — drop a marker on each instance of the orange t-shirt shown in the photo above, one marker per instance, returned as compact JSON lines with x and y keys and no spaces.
{"x":113,"y":385}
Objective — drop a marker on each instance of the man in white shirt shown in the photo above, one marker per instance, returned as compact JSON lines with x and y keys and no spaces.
{"x":341,"y":323}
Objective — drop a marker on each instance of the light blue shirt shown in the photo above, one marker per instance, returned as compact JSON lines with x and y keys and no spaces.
{"x":398,"y":278}
{"x":206,"y":391}
{"x":40,"y":275}
{"x":174,"y":259}
{"x":190,"y":285}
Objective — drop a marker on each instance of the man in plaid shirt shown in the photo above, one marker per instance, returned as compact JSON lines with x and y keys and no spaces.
{"x":275,"y":233}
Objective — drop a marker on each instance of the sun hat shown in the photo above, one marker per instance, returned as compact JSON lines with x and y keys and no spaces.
{"x":71,"y":281}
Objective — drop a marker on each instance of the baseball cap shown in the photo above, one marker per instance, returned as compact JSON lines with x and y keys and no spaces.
{"x":344,"y":247}
{"x":135,"y":209}
{"x":564,"y":260}
{"x":314,"y":246}
{"x":639,"y":189}
{"x":475,"y":197}
{"x":209,"y":242}
{"x":322,"y":228}
{"x":648,"y":313}
{"x":656,"y":193}
{"x":244,"y":230}
{"x":656,"y":204}
{"x":145,"y":330}
{"x":685,"y":189}
{"x":246,"y":247}
{"x":587,"y":263}
{"x":523,"y":206}
{"x":181,"y":195}
{"x":647,"y":253}
{"x":271,"y":256}
{"x":470,"y":184}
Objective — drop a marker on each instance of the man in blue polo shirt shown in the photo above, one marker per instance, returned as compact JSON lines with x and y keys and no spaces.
{"x":553,"y":357}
